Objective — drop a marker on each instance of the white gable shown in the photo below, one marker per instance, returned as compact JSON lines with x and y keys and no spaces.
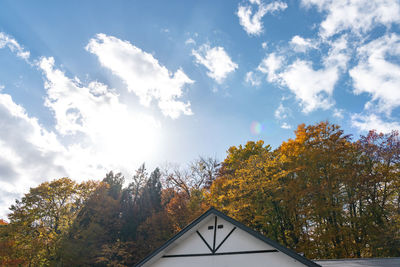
{"x":239,"y":240}
{"x":215,"y":241}
{"x":240,"y":260}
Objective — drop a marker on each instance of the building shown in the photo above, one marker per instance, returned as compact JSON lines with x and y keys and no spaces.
{"x":366,"y":262}
{"x":214,"y":239}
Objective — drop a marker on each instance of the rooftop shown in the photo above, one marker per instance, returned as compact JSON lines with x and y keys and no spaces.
{"x":384,"y":262}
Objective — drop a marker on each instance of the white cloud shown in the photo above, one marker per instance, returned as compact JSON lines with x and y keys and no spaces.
{"x":216,"y":60}
{"x":270,"y":65}
{"x":338,"y":113}
{"x":358,"y":16}
{"x":190,"y":41}
{"x":314,"y":87}
{"x":373,"y":122}
{"x":251,"y":22}
{"x":253,"y":79}
{"x":275,"y":6}
{"x":94,"y":132}
{"x":30,"y":154}
{"x":13,"y":45}
{"x":300,"y":44}
{"x":93,"y":113}
{"x":338,"y":54}
{"x":143,"y":74}
{"x":282,"y":112}
{"x":264,"y":45}
{"x":377,"y":73}
{"x":286,"y":126}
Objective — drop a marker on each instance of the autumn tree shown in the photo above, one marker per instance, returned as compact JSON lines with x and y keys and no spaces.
{"x":246,"y":186}
{"x":96,"y":225}
{"x":205,"y":170}
{"x":8,"y":255}
{"x":314,"y":166}
{"x":320,"y":193}
{"x":375,"y":199}
{"x":186,"y":187}
{"x":43,"y":216}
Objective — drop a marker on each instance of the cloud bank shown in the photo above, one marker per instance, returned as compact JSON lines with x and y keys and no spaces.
{"x":345,"y":44}
{"x":142,"y":74}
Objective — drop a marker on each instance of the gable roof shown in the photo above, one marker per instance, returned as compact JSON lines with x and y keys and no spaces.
{"x":289,"y":252}
{"x":363,"y":262}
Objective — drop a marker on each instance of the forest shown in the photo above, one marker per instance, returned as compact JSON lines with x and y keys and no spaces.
{"x":323,"y":193}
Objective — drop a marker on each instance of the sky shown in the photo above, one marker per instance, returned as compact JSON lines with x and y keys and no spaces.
{"x":87,"y":87}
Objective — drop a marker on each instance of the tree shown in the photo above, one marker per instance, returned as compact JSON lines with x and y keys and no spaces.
{"x":315,"y":164}
{"x":115,"y":183}
{"x":43,"y":216}
{"x":246,"y":185}
{"x":96,"y":225}
{"x":8,"y":255}
{"x":378,"y":203}
{"x":199,"y":174}
{"x":139,"y":201}
{"x":151,"y":195}
{"x":118,"y":254}
{"x":319,"y":193}
{"x":205,"y":170}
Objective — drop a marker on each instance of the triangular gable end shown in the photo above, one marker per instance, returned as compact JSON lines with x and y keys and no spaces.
{"x":215,"y":239}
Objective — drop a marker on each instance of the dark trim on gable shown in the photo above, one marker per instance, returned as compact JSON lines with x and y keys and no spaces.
{"x":221,"y":253}
{"x":205,"y":242}
{"x":212,"y":210}
{"x":175,"y":237}
{"x":215,"y":233}
{"x":226,"y":237}
{"x":270,"y":242}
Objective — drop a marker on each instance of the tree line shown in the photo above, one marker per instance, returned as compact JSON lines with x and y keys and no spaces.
{"x":321,"y":193}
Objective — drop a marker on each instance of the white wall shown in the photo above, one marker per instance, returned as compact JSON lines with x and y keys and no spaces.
{"x":242,"y":260}
{"x":238,"y":241}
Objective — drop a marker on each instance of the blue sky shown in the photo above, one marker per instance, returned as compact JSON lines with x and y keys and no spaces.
{"x":93,"y":86}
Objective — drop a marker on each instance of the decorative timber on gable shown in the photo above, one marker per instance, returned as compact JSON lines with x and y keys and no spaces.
{"x":215,"y":239}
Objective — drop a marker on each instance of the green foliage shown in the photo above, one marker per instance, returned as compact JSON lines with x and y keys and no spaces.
{"x":43,"y":217}
{"x":117,"y":254}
